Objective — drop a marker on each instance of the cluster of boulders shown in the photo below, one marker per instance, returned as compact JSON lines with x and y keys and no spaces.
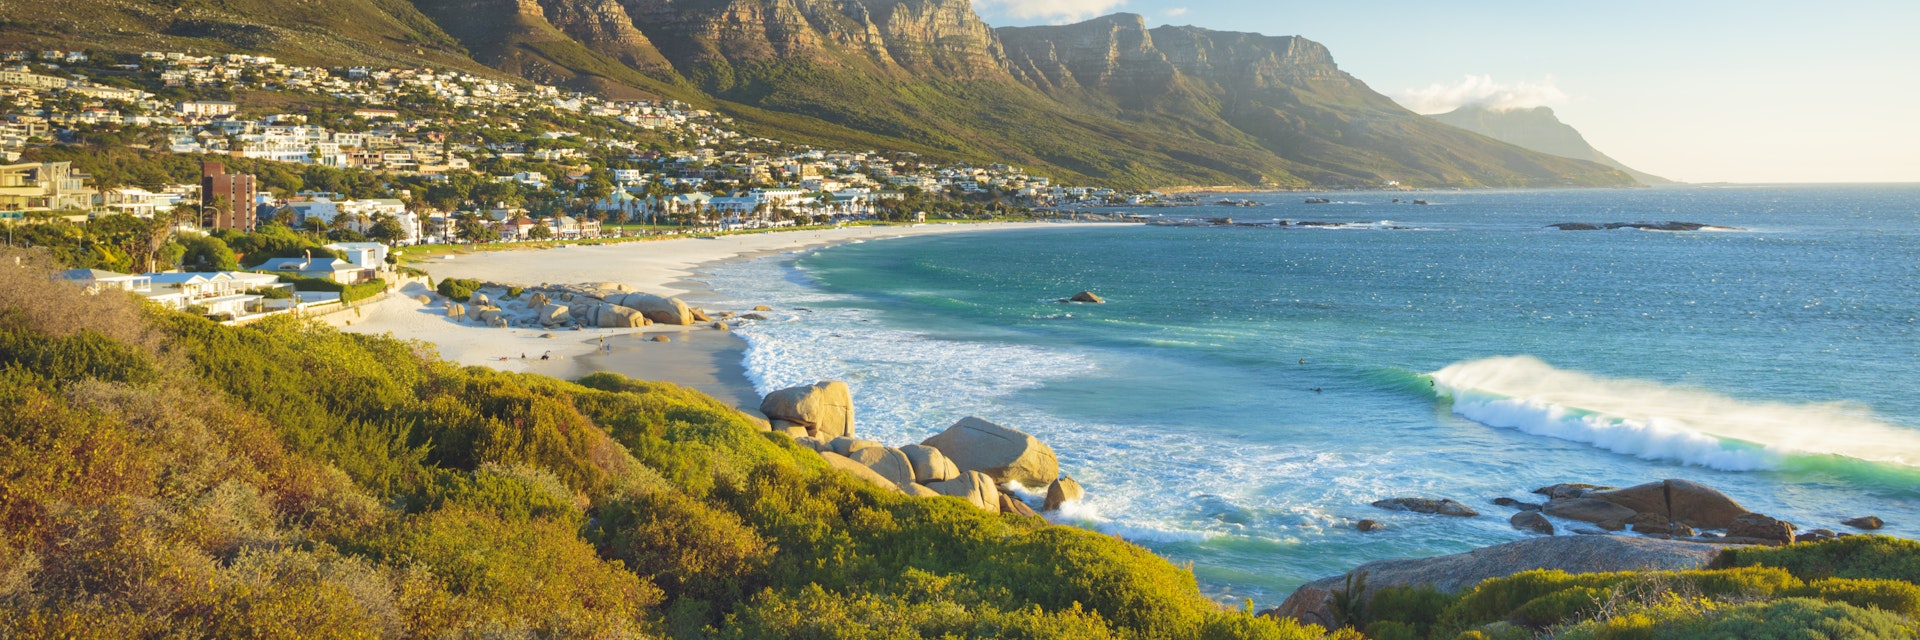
{"x":605,"y":305}
{"x":1667,"y":509}
{"x":974,"y":460}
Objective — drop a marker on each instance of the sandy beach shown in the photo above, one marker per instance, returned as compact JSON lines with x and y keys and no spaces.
{"x":697,"y":357}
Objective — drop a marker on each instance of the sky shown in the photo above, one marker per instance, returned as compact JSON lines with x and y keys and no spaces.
{"x":1697,"y":91}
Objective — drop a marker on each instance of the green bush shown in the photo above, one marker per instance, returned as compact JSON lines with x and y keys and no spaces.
{"x":1416,"y":608}
{"x":1849,"y":557}
{"x":689,"y":549}
{"x":1892,"y":596}
{"x":456,"y":289}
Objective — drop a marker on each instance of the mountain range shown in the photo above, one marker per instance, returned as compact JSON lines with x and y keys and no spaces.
{"x":1107,"y":101}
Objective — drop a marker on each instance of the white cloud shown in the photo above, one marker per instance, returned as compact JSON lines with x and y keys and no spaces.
{"x":1483,"y":91}
{"x":1176,"y":12}
{"x":1056,"y":11}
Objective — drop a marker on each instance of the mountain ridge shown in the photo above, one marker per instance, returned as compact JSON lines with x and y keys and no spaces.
{"x":1539,"y":129}
{"x":1106,"y":101}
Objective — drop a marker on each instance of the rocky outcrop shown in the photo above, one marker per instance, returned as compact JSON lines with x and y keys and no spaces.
{"x":1313,"y":602}
{"x":1753,"y":526}
{"x":1443,"y":507}
{"x":1003,"y":454}
{"x":889,"y":463}
{"x":1609,"y":516}
{"x":846,"y":446}
{"x":1062,"y":491}
{"x":657,"y":308}
{"x":929,"y":465}
{"x":858,"y":470}
{"x":978,"y":489}
{"x":824,"y":409}
{"x":1665,"y":507}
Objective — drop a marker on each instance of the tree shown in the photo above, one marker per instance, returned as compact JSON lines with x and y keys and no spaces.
{"x":471,"y":229}
{"x":540,"y":232}
{"x":207,"y":253}
{"x":386,"y":228}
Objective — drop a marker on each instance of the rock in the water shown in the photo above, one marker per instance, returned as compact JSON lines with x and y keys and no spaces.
{"x":1443,"y":507}
{"x":929,"y":465}
{"x":1369,"y":526}
{"x":1010,"y":504}
{"x":1313,"y":603}
{"x":753,"y":316}
{"x":858,"y":470}
{"x":1868,"y":523}
{"x":1816,"y":535}
{"x":889,"y":463}
{"x":1062,"y":491}
{"x":976,"y":488}
{"x":1004,"y":454}
{"x":1087,"y":297}
{"x":826,"y":408}
{"x":658,"y":309}
{"x":763,"y":308}
{"x":1531,"y":521}
{"x":1760,"y":527}
{"x":1609,"y":516}
{"x":1510,"y":502}
{"x":662,"y":338}
{"x":1570,"y":490}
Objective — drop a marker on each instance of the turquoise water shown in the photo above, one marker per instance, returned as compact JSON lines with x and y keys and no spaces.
{"x":1468,"y":353}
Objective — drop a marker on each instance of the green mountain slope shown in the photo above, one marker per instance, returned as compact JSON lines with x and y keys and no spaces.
{"x":1537,"y":129}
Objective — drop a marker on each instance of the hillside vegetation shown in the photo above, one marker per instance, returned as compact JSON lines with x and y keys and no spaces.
{"x":162,"y":475}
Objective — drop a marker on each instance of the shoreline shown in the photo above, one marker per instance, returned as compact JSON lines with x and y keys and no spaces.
{"x":699,"y":357}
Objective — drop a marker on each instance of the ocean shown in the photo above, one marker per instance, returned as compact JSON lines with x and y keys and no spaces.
{"x":1247,"y":392}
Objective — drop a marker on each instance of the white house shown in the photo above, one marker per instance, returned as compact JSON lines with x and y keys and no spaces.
{"x":365,"y":255}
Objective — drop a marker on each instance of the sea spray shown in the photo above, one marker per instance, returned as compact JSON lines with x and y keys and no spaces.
{"x":1663,"y":422}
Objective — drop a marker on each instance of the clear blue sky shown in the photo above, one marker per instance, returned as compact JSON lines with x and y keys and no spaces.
{"x":1757,"y":91}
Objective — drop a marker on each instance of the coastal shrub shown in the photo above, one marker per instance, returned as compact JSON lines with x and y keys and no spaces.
{"x":457,"y":289}
{"x":1390,"y":630}
{"x":514,"y":292}
{"x":1892,"y":596}
{"x":1416,"y":608}
{"x":537,"y":574}
{"x":813,"y":613}
{"x":689,"y":549}
{"x":1849,"y":557}
{"x":1707,"y":620}
{"x":1542,"y":598}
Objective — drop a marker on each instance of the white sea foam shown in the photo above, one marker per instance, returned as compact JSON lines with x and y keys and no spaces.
{"x":1656,"y":421}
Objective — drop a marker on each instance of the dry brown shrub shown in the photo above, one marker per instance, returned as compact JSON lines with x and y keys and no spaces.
{"x":29,"y":286}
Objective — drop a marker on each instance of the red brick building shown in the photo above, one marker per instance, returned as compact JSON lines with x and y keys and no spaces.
{"x":235,"y":195}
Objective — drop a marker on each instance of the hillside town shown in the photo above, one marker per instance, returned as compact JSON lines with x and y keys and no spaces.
{"x":648,"y":163}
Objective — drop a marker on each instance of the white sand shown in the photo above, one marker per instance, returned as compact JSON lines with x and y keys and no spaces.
{"x":654,"y":267}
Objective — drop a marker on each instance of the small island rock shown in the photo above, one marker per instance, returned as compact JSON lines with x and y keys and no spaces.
{"x":1088,"y":297}
{"x":1062,"y":491}
{"x":1443,"y":507}
{"x":1868,"y":523}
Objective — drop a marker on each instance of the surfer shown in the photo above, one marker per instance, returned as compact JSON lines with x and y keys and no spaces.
{"x":1303,"y":361}
{"x":1316,"y":389}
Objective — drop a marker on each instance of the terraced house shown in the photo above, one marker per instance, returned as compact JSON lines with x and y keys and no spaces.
{"x":49,"y":186}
